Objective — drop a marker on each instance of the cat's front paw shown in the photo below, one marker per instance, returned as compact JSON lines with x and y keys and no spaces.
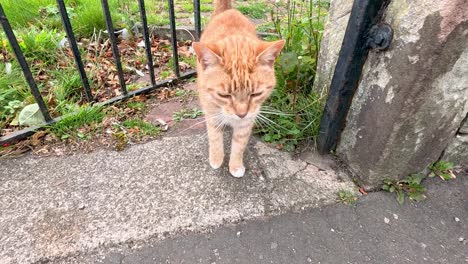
{"x":237,"y":172}
{"x":216,"y":161}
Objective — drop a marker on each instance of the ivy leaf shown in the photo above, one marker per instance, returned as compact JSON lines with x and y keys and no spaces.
{"x":31,"y":116}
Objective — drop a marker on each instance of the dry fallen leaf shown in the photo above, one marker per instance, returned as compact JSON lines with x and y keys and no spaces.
{"x":361,"y":190}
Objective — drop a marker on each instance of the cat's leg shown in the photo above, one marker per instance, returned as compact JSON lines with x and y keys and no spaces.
{"x":216,"y":146}
{"x":240,"y":139}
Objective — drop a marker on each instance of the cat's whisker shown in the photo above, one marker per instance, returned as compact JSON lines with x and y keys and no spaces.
{"x":276,"y":113}
{"x":273,"y":111}
{"x":271,"y":121}
{"x":267,"y":123}
{"x":202,"y":121}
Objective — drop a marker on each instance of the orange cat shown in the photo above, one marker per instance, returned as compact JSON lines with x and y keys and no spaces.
{"x":235,"y":76}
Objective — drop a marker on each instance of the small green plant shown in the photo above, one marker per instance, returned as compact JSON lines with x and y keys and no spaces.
{"x":40,"y":44}
{"x":142,"y":127}
{"x":255,"y":10}
{"x":347,"y":197}
{"x":140,"y":106}
{"x":443,"y":169}
{"x":165,"y":74}
{"x":410,"y":186}
{"x":187,"y":114}
{"x":184,"y":93}
{"x":188,"y":7}
{"x":84,"y":116}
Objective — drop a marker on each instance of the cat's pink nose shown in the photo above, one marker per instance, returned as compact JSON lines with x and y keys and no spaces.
{"x":241,"y":115}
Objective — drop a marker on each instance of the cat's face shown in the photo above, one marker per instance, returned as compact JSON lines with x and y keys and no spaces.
{"x":239,"y":80}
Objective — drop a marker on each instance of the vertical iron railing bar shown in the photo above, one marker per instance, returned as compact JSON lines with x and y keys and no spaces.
{"x":115,"y":48}
{"x":197,"y":18}
{"x":146,"y":36}
{"x":24,"y":65}
{"x":75,"y":50}
{"x":175,"y":55}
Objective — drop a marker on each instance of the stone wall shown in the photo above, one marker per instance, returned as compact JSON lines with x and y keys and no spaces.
{"x":457,"y":150}
{"x":412,"y":98}
{"x":333,"y":35}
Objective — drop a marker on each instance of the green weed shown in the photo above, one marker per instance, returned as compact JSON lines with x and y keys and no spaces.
{"x":143,"y":128}
{"x":140,"y":106}
{"x":410,"y":186}
{"x":293,"y":111}
{"x":67,"y":90}
{"x":443,"y":169}
{"x":188,"y":7}
{"x":187,"y":114}
{"x":40,"y":45}
{"x":347,"y":197}
{"x":255,"y":10}
{"x":13,"y":92}
{"x":69,"y":125}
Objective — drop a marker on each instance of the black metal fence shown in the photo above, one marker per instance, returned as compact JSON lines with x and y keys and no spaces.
{"x":115,"y":51}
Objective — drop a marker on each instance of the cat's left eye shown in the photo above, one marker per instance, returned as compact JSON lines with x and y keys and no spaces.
{"x":224,"y":95}
{"x":255,"y":94}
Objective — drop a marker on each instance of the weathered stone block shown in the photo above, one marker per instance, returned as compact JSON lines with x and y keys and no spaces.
{"x":413,"y":97}
{"x":331,"y":43}
{"x":457,"y":151}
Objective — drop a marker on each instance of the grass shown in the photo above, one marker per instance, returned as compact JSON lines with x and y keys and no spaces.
{"x":84,"y":116}
{"x":140,"y":106}
{"x":143,"y":128}
{"x":187,"y":114}
{"x":255,"y":10}
{"x":347,"y":197}
{"x":293,"y":112}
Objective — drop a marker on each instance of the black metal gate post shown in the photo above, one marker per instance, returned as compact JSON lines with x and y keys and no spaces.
{"x":362,"y":33}
{"x":197,"y":18}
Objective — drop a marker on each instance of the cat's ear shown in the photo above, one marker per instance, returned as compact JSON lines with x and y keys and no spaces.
{"x":268,"y":51}
{"x":207,"y":56}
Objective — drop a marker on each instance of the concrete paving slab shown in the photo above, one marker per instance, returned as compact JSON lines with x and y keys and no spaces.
{"x":58,"y":208}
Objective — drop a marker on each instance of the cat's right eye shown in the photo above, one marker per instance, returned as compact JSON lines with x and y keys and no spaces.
{"x":227,"y":96}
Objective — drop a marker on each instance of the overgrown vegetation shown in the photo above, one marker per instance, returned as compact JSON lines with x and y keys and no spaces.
{"x":291,"y":114}
{"x":38,"y":28}
{"x":412,"y":187}
{"x":293,"y":111}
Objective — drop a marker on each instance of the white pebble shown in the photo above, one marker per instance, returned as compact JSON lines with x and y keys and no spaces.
{"x":386,"y":220}
{"x":457,"y":219}
{"x":395,"y":216}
